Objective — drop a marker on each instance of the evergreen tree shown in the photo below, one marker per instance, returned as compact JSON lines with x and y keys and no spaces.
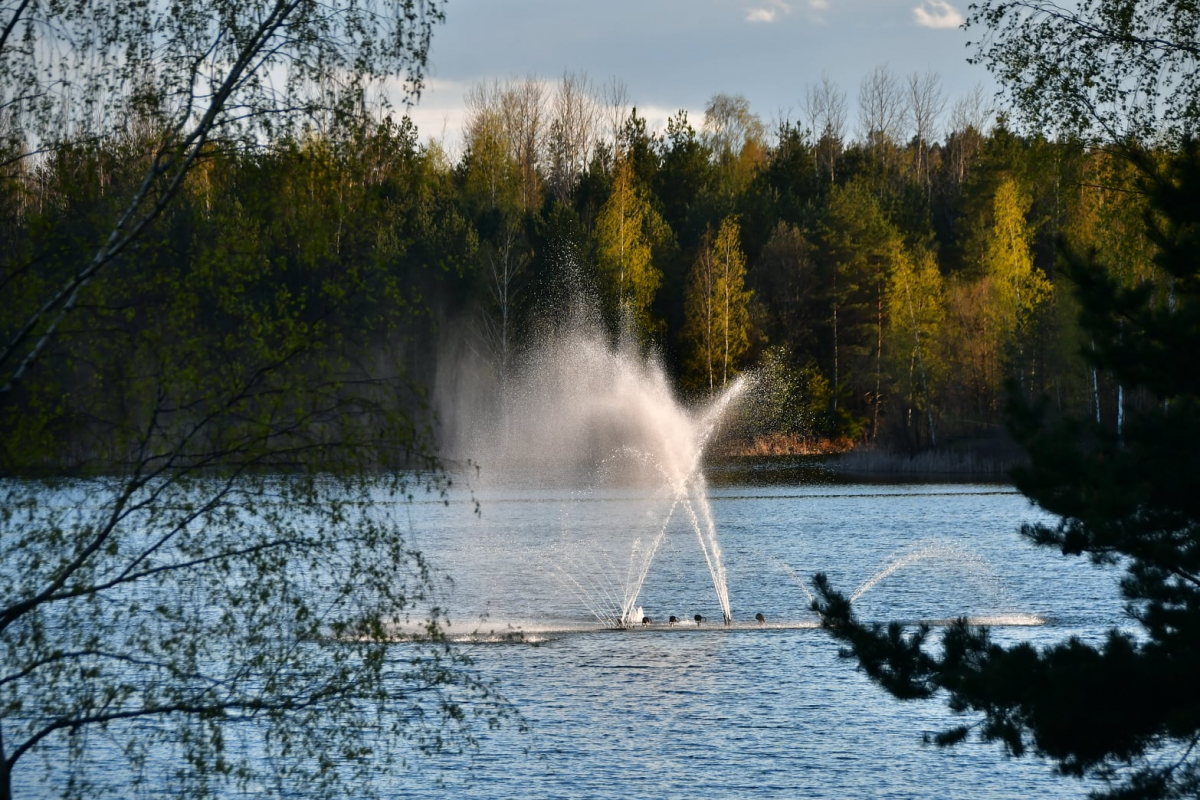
{"x":859,"y":246}
{"x":1128,"y":709}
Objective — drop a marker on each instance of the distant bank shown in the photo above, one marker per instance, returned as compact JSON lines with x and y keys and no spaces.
{"x":989,"y":458}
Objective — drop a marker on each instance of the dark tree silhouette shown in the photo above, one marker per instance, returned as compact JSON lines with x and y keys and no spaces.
{"x":1128,"y":710}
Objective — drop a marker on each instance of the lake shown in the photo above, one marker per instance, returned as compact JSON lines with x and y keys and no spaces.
{"x":744,"y":710}
{"x":538,"y":575}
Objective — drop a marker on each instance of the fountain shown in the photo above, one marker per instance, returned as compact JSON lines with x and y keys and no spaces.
{"x":591,"y":467}
{"x":580,"y":408}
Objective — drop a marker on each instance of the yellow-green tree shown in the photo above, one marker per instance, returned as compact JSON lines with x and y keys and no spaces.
{"x":718,"y":309}
{"x":1109,"y":216}
{"x":627,"y":228}
{"x":1017,"y":289}
{"x":916,"y":312}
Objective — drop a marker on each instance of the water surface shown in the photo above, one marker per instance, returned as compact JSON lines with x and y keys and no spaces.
{"x":749,"y":710}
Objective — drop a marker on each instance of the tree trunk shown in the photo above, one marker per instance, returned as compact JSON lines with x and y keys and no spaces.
{"x":878,"y":359}
{"x":835,"y":341}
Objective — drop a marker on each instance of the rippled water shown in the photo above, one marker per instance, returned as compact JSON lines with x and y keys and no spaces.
{"x":749,"y":711}
{"x":745,"y":711}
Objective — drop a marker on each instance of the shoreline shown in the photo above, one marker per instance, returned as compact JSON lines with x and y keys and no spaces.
{"x":987,"y":460}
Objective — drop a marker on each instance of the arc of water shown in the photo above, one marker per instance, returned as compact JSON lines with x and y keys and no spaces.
{"x":717,"y":568}
{"x":593,"y":595}
{"x":795,"y":578}
{"x":633,"y":589}
{"x":594,"y":591}
{"x":630,"y":571}
{"x":709,"y":547}
{"x":605,"y":572}
{"x":928,"y":551}
{"x":585,"y":598}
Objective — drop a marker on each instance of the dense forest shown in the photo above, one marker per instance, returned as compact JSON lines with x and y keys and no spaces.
{"x":890,"y":281}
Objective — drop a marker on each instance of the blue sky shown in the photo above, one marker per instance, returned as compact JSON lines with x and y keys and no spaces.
{"x":677,"y":53}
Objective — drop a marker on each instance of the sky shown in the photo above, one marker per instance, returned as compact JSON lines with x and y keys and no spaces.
{"x":674,"y":54}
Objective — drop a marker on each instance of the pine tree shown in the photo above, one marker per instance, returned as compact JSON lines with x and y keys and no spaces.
{"x":1128,"y":709}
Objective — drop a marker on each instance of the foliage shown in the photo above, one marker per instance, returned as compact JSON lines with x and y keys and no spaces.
{"x":1127,"y":710}
{"x":861,"y":244}
{"x":626,"y":230}
{"x":1109,"y":70}
{"x":212,"y":268}
{"x":1017,"y":289}
{"x":718,"y":309}
{"x":916,"y":317}
{"x":220,"y":586}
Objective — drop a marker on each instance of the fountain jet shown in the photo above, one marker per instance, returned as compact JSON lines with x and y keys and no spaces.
{"x":577,"y":407}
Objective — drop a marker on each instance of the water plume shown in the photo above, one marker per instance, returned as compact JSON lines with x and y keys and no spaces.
{"x":580,"y":409}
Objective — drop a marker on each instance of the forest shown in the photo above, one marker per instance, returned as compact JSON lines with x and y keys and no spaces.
{"x":233,"y":278}
{"x":888,"y":260}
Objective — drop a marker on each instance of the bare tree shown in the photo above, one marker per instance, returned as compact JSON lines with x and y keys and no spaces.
{"x":972,"y":111}
{"x":523,"y":106}
{"x":614,"y":97}
{"x":736,"y":136}
{"x":926,"y":102}
{"x":488,"y":146}
{"x":969,"y":122}
{"x":572,"y":134}
{"x":825,"y":107}
{"x":880,"y":110}
{"x":481,"y":100}
{"x":513,"y":112}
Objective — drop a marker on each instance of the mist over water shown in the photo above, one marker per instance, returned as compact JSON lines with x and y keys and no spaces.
{"x":580,"y":410}
{"x":569,"y":402}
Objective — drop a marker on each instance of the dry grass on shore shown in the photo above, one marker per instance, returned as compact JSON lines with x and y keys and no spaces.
{"x":782,"y":444}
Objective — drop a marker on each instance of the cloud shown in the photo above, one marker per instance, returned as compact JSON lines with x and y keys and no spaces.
{"x":818,"y":5}
{"x":937,"y":14}
{"x":769,"y":12}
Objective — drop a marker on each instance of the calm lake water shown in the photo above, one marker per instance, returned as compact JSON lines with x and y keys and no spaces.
{"x":744,"y":710}
{"x":715,"y":711}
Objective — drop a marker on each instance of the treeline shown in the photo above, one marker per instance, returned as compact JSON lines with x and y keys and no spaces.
{"x":889,"y":282}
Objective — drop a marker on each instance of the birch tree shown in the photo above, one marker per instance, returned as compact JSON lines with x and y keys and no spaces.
{"x":217,"y":589}
{"x":1017,"y":289}
{"x":825,"y":107}
{"x":718,"y":309}
{"x":880,"y":112}
{"x":925,"y":105}
{"x":572,"y":132}
{"x":915,"y":314}
{"x":626,"y":230}
{"x":736,"y":138}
